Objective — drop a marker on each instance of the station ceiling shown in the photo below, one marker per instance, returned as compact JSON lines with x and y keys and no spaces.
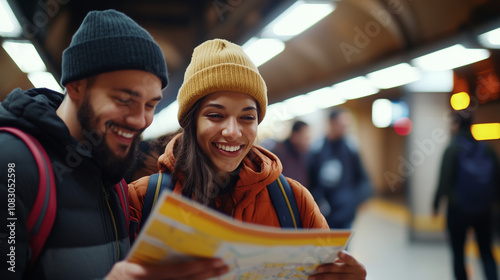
{"x":356,"y":37}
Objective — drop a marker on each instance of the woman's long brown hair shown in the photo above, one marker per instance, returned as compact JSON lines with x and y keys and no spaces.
{"x":199,"y":172}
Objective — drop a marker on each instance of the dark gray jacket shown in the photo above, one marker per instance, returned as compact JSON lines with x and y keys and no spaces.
{"x":338,"y":179}
{"x":88,"y":236}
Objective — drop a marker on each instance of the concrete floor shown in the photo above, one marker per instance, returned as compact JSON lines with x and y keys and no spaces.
{"x":383,"y":245}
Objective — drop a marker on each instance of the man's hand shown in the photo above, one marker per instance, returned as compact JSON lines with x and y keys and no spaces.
{"x":194,"y":270}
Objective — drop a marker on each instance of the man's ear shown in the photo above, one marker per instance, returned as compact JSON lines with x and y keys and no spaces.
{"x":76,"y":90}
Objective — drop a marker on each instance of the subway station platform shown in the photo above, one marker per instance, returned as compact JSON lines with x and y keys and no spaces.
{"x":382,"y":243}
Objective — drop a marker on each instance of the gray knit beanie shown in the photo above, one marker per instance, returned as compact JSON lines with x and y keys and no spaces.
{"x":109,"y":41}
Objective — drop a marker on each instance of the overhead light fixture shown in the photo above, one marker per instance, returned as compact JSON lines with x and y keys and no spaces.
{"x":25,"y":56}
{"x":297,"y":18}
{"x":277,"y":112}
{"x":355,"y":88}
{"x":262,"y":50}
{"x":394,"y":76}
{"x":490,"y":39}
{"x":44,"y":79}
{"x":325,"y":97}
{"x":9,"y":25}
{"x":432,"y":81}
{"x":299,"y":105}
{"x":382,"y":113}
{"x":450,"y":58}
{"x":275,"y":121}
{"x":486,"y":131}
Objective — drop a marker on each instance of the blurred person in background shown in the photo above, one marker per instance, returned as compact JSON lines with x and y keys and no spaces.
{"x":292,"y":152}
{"x":470,"y":180}
{"x":337,"y":178}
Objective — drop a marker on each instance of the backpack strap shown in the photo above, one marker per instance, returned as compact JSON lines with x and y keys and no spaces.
{"x":280,"y":192}
{"x":284,"y":203}
{"x":157,"y":182}
{"x":122,"y":189}
{"x":42,"y":215}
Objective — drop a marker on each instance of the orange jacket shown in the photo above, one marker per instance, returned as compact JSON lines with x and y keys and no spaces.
{"x":252,"y":202}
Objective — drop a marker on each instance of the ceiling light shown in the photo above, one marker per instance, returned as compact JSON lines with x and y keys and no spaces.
{"x":277,"y":112}
{"x":299,"y":17}
{"x":450,"y":58}
{"x":432,"y":81}
{"x":490,"y":39}
{"x":44,"y":80}
{"x":325,"y":97}
{"x":25,"y":56}
{"x":355,"y":88}
{"x":262,"y":50}
{"x":486,"y":131}
{"x":275,"y":121}
{"x":394,"y":76}
{"x":9,"y":26}
{"x":299,"y":105}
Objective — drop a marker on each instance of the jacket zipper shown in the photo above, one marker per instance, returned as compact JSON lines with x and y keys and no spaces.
{"x":106,"y":196}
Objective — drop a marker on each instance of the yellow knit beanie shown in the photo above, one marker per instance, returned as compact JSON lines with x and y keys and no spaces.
{"x":219,"y":65}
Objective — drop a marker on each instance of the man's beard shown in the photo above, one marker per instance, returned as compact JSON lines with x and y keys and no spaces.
{"x":113,"y":167}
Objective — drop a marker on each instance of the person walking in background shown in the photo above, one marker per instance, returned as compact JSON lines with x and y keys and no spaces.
{"x":337,"y":178}
{"x":292,"y":152}
{"x":214,"y":160}
{"x":470,"y":180}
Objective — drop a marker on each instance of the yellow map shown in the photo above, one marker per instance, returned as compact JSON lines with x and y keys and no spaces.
{"x":180,"y":229}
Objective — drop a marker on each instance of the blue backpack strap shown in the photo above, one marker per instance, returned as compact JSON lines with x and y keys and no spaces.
{"x":284,"y":203}
{"x":157,"y":182}
{"x":280,"y":192}
{"x":42,"y":215}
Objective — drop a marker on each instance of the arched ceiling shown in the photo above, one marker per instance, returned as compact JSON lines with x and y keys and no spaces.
{"x":355,"y":36}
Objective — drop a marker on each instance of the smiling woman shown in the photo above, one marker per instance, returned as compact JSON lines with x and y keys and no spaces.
{"x":227,"y":128}
{"x":221,"y":102}
{"x":214,"y":160}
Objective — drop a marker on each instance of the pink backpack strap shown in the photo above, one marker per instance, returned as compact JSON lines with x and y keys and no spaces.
{"x":42,"y":215}
{"x":122,"y":190}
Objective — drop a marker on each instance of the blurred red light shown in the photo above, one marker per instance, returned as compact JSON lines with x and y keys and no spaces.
{"x":403,"y":126}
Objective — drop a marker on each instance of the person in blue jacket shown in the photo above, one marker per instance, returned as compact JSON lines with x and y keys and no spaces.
{"x":337,"y":178}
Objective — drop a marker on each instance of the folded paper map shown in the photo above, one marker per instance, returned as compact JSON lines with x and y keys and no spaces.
{"x":180,"y":229}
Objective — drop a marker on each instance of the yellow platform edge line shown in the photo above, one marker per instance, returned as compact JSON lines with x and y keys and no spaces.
{"x":400,"y":214}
